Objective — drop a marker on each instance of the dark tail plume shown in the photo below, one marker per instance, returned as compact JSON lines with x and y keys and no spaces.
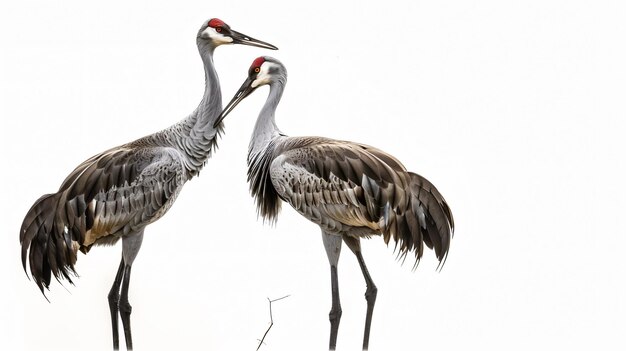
{"x":427,"y":220}
{"x":47,"y":242}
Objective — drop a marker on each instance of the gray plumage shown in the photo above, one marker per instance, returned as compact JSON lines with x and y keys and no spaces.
{"x":123,"y":189}
{"x":117,"y":193}
{"x":111,"y":195}
{"x":350,"y":190}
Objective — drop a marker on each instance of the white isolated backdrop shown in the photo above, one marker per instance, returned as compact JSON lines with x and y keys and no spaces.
{"x":514,"y":110}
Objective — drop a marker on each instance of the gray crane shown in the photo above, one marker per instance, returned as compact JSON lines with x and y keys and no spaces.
{"x":350,"y":190}
{"x":115,"y":194}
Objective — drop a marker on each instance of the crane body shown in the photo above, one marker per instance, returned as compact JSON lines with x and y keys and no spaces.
{"x":117,"y":193}
{"x":350,"y":190}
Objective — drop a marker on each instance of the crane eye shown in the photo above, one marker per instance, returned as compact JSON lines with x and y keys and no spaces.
{"x":257,"y":70}
{"x":218,"y":29}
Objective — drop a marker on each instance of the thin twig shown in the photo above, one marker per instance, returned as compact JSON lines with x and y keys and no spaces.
{"x":271,"y":319}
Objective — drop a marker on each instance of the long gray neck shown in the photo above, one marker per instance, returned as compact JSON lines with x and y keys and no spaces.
{"x":265,"y":138}
{"x":265,"y":129}
{"x":195,"y":136}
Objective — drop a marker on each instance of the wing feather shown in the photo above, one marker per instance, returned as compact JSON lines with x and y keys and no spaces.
{"x":342,"y":186}
{"x":106,"y":192}
{"x":353,"y":185}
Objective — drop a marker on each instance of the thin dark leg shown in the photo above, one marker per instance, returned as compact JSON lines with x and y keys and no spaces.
{"x":114,"y":299}
{"x":130,"y":247}
{"x":125,"y":308}
{"x":332,"y":244}
{"x":370,"y":297}
{"x":335,"y":312}
{"x":370,"y":293}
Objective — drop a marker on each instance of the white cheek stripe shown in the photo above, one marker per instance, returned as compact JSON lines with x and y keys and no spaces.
{"x":218,"y":38}
{"x":263,"y":77}
{"x":257,"y":82}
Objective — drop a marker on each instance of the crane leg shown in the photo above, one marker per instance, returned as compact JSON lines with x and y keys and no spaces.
{"x":126,"y":308}
{"x":332,"y":244}
{"x":370,"y":293}
{"x":130,"y":247}
{"x":114,"y":300}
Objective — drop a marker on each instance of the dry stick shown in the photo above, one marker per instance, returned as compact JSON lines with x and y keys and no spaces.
{"x":271,"y":319}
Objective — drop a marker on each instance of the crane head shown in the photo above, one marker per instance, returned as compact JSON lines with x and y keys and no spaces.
{"x":263,"y":71}
{"x":219,"y":33}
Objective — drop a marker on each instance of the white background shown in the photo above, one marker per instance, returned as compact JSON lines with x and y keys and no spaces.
{"x":514,"y":110}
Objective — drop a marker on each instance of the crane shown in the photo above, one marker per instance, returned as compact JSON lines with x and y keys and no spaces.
{"x":350,"y":190}
{"x":115,"y":194}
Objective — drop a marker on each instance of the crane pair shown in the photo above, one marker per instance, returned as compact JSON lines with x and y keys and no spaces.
{"x":350,"y":190}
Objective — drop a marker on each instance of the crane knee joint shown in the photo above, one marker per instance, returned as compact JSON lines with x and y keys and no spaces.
{"x":335,"y":314}
{"x":125,"y":307}
{"x":371,"y":292}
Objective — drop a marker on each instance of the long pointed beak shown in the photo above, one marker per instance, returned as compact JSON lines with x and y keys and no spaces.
{"x":245,"y":90}
{"x":240,"y":38}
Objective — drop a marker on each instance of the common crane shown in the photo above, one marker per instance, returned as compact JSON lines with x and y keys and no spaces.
{"x":115,"y":194}
{"x":350,"y":190}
